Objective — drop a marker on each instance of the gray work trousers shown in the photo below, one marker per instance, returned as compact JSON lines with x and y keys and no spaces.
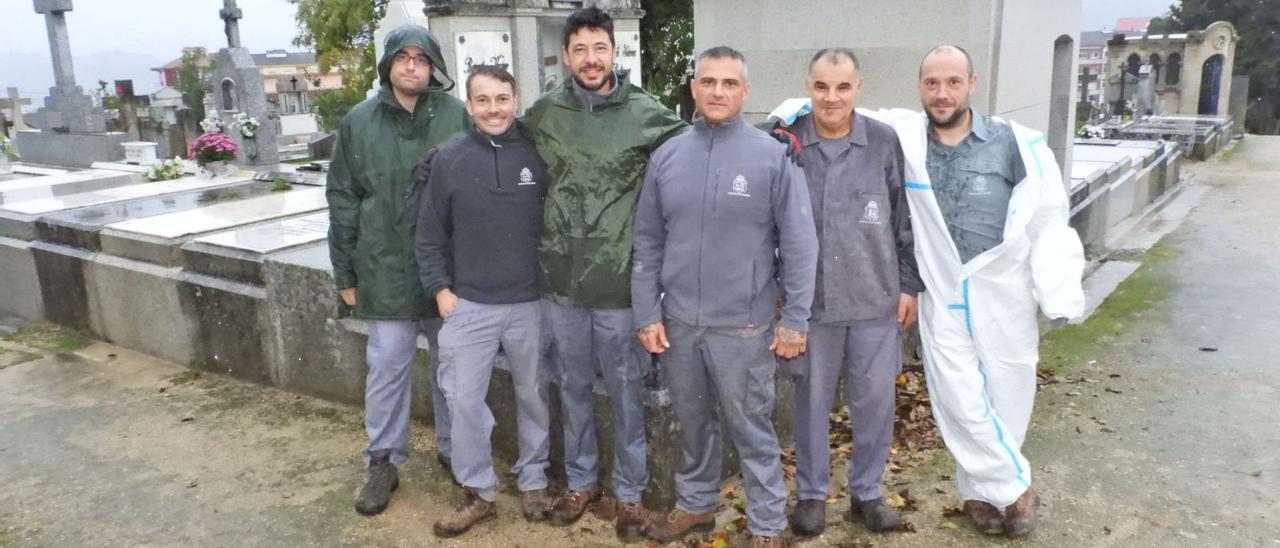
{"x":869,"y":355}
{"x":725,"y":375}
{"x":586,"y":342}
{"x":388,"y":391}
{"x":469,"y":343}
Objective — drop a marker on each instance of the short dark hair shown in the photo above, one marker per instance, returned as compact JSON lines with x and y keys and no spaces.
{"x":493,"y":71}
{"x":723,"y":52}
{"x":967,"y":58}
{"x":834,"y":55}
{"x":590,"y":18}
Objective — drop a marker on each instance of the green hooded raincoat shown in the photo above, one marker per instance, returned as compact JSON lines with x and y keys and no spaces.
{"x":371,"y":186}
{"x":595,"y":163}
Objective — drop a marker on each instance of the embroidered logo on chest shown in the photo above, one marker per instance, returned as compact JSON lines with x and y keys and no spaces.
{"x":526,"y":177}
{"x":739,"y":187}
{"x":871,"y":213}
{"x":978,"y":187}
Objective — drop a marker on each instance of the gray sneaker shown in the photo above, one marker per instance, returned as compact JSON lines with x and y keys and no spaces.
{"x":875,"y":514}
{"x":376,"y":493}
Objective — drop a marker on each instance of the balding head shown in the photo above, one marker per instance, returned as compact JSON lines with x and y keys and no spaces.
{"x":948,"y":54}
{"x":946,"y":81}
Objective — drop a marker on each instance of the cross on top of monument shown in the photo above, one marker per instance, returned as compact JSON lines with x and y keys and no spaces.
{"x":44,"y":7}
{"x":231,"y":15}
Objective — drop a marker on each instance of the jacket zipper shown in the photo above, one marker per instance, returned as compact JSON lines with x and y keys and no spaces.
{"x":497,"y":173}
{"x":702,"y":222}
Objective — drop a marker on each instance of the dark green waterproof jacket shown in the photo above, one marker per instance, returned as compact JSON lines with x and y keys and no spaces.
{"x":371,"y":186}
{"x":595,"y":166}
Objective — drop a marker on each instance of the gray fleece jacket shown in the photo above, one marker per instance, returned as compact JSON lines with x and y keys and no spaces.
{"x":721,"y":213}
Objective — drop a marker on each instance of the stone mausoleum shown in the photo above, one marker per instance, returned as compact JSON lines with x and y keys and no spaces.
{"x":1189,"y":73}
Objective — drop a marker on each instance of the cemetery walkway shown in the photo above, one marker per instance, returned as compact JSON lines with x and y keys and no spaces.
{"x":1157,"y":428}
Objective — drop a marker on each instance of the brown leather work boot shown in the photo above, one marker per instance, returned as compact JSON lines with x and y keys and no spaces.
{"x":1020,"y":517}
{"x":535,"y":505}
{"x":985,"y":516}
{"x":678,"y":523}
{"x":471,"y":511}
{"x":632,"y":521}
{"x":759,"y":541}
{"x":570,"y":506}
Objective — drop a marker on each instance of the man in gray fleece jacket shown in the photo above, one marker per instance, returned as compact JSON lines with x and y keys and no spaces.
{"x":720,"y":208}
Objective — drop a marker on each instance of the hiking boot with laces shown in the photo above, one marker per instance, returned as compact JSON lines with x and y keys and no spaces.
{"x":985,"y":516}
{"x":535,"y":505}
{"x":1020,"y":517}
{"x":631,"y":522}
{"x":471,"y":511}
{"x":876,"y":514}
{"x":570,"y":506}
{"x":677,"y":523}
{"x":376,"y":492}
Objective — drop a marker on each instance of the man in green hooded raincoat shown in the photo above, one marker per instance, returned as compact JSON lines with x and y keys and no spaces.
{"x":372,"y":211}
{"x":596,"y":134}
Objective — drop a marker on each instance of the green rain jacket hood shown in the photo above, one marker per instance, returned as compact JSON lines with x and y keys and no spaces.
{"x":415,"y":36}
{"x":595,"y":164}
{"x":372,"y":191}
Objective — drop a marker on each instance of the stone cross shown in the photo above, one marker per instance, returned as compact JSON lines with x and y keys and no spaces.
{"x":14,"y":103}
{"x":231,"y":15}
{"x":55,"y":19}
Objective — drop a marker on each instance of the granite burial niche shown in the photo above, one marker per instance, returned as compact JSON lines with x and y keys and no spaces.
{"x":52,"y":186}
{"x":66,"y":240}
{"x":22,"y":295}
{"x":141,"y":297}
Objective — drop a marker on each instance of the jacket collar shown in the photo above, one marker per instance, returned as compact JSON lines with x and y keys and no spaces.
{"x":807,"y":131}
{"x":512,"y":134}
{"x":574,"y":100}
{"x":980,"y":126}
{"x":701,"y":125}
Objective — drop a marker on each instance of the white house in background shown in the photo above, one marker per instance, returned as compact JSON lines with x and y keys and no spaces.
{"x":1093,"y":61}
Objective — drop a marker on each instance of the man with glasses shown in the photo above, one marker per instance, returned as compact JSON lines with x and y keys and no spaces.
{"x":371,"y":197}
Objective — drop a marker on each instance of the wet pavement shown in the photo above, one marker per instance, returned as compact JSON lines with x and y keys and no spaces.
{"x":1160,"y":429}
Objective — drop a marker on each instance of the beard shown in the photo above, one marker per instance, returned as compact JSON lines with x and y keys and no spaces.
{"x":593,"y":87}
{"x":951,"y":121}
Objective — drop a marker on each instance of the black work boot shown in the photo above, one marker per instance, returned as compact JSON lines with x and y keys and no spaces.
{"x":876,"y":514}
{"x":376,"y":493}
{"x":809,"y":518}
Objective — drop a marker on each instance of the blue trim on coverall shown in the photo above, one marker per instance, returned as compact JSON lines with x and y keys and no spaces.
{"x":986,"y":402}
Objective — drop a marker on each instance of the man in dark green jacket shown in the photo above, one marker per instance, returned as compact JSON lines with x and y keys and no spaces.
{"x":372,"y":212}
{"x":595,"y":135}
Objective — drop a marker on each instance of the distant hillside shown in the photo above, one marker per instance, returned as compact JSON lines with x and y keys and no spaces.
{"x":32,"y":74}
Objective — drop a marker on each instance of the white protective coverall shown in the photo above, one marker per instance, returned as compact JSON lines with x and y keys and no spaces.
{"x":978,"y":320}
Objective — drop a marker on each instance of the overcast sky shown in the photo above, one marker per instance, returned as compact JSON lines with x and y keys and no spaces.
{"x":161,"y":27}
{"x":117,"y":39}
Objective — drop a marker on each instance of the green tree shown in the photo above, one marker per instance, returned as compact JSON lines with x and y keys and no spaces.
{"x":193,"y":79}
{"x":1257,"y":53}
{"x":666,"y":37}
{"x":341,"y":34}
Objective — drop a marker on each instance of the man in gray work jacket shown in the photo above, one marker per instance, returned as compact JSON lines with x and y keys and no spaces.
{"x":720,"y":206}
{"x":865,"y":292}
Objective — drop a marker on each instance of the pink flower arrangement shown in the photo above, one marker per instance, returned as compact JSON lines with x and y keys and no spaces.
{"x":212,"y":147}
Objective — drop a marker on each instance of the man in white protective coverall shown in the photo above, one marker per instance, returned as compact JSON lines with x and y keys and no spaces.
{"x":989,"y":215}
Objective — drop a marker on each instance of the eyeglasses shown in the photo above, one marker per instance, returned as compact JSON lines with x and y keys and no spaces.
{"x":402,"y":57}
